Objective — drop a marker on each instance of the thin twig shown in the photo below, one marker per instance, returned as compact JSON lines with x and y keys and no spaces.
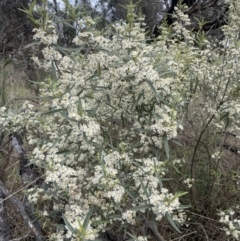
{"x":21,"y":238}
{"x":29,"y":184}
{"x":183,"y":236}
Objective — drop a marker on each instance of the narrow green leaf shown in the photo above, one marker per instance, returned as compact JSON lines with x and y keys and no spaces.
{"x":191,"y":85}
{"x":63,"y":113}
{"x":176,"y":169}
{"x":93,"y":112}
{"x":195,"y":87}
{"x":68,"y":134}
{"x":130,"y":194}
{"x":108,"y":99}
{"x":154,"y":224}
{"x":138,"y":99}
{"x":92,"y":76}
{"x":69,"y":226}
{"x":65,"y":152}
{"x":141,"y":207}
{"x":116,"y":206}
{"x":153,"y":90}
{"x":99,"y":69}
{"x":157,"y":175}
{"x":134,"y":237}
{"x":115,"y":216}
{"x":32,"y":44}
{"x":184,"y":206}
{"x":59,"y":226}
{"x":166,"y":146}
{"x":224,"y":116}
{"x":87,"y":218}
{"x":80,"y":107}
{"x":54,"y":73}
{"x":172,"y":223}
{"x":179,"y":194}
{"x":176,"y":142}
{"x":52,"y":112}
{"x":68,"y":24}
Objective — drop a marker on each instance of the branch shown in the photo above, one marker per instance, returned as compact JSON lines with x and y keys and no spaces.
{"x":15,"y":201}
{"x":27,"y":170}
{"x":231,"y":148}
{"x":4,"y":227}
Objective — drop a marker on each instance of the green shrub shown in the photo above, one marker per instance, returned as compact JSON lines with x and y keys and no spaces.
{"x":105,"y":133}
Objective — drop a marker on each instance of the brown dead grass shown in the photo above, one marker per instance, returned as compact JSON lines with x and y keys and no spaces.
{"x":17,"y":91}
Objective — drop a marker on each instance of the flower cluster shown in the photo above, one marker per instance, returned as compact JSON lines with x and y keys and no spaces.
{"x":163,"y":203}
{"x":232,"y":224}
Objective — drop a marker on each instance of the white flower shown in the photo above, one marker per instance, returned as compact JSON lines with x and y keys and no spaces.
{"x":129,"y":216}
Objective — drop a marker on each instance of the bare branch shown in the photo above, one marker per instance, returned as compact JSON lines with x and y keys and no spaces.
{"x":16,"y":202}
{"x":59,"y":24}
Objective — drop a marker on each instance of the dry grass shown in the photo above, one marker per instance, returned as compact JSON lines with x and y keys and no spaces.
{"x":14,"y":82}
{"x":217,"y":180}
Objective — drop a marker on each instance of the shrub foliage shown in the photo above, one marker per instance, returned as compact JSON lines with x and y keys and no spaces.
{"x":128,"y":134}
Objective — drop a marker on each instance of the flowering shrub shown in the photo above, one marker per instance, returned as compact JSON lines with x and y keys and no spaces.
{"x":102,"y":121}
{"x":107,"y":112}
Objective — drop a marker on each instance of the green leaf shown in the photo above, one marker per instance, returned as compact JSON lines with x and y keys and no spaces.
{"x":224,"y":116}
{"x":195,"y":87}
{"x":134,"y":237}
{"x":80,"y":107}
{"x":54,"y":73}
{"x":166,"y":146}
{"x":184,"y":206}
{"x":32,"y":44}
{"x":141,"y":207}
{"x":98,"y":70}
{"x":172,"y":223}
{"x":179,"y":194}
{"x":130,"y":194}
{"x":65,"y":152}
{"x":87,"y":218}
{"x":52,"y":112}
{"x":69,"y":226}
{"x":154,"y":224}
{"x":63,"y":113}
{"x":116,"y":206}
{"x":93,"y":112}
{"x":92,"y":76}
{"x":80,"y":92}
{"x":153,"y":90}
{"x":157,"y":175}
{"x":176,"y":142}
{"x":68,"y":134}
{"x":138,"y":99}
{"x":59,"y":226}
{"x":176,"y":169}
{"x":68,"y":24}
{"x":114,"y":216}
{"x":69,"y":51}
